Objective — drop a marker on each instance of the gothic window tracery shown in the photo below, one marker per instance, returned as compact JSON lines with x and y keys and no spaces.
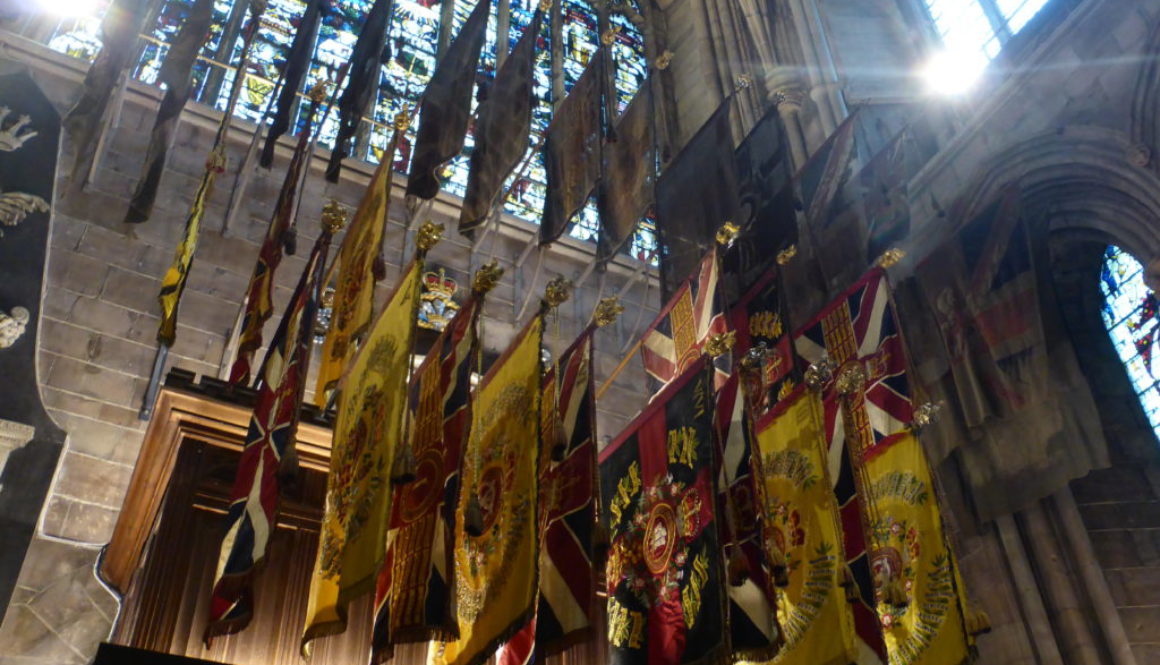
{"x":1131,"y":317}
{"x":980,"y":28}
{"x":413,"y":39}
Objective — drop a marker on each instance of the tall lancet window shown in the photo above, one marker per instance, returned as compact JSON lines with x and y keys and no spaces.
{"x":1130,"y":314}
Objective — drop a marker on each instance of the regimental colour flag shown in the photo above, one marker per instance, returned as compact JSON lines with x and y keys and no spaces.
{"x":626,"y":185}
{"x":865,"y":402}
{"x":354,"y":292}
{"x":572,"y":152}
{"x":260,"y":292}
{"x":754,"y":633}
{"x":366,"y":71}
{"x":269,"y":445}
{"x":759,"y":322}
{"x":295,"y":70}
{"x":801,"y":526}
{"x":495,"y":561}
{"x":920,"y":604}
{"x":367,"y":432}
{"x":567,"y":510}
{"x":664,"y":574}
{"x":675,"y":339}
{"x":415,"y":593}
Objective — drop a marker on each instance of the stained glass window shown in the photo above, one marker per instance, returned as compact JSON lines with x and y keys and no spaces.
{"x":413,"y":40}
{"x":980,"y":27}
{"x":1130,"y":314}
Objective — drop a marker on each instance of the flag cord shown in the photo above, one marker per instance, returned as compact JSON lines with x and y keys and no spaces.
{"x":619,"y":368}
{"x":532,"y":284}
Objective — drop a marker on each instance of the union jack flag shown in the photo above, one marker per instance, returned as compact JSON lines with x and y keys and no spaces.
{"x":254,"y":499}
{"x":567,"y":583}
{"x":675,"y":339}
{"x":866,"y":404}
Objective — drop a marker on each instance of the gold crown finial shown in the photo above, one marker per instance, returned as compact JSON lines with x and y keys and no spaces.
{"x":429,"y":235}
{"x":609,"y":36}
{"x":317,"y":93}
{"x":727,"y":234}
{"x":487,"y":277}
{"x":664,"y":60}
{"x":216,"y":161}
{"x":545,"y":5}
{"x":720,"y":343}
{"x":607,"y":310}
{"x":890,"y":258}
{"x":558,"y":291}
{"x":333,"y":216}
{"x":786,"y":255}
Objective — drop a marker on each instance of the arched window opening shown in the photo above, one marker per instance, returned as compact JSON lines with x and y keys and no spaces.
{"x":413,"y":39}
{"x":1130,"y":315}
{"x":976,"y":30}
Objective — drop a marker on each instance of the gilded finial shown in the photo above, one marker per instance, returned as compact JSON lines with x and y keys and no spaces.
{"x":609,"y":36}
{"x":720,"y":343}
{"x":486,"y":277}
{"x":429,"y":235}
{"x":744,"y":81}
{"x":890,"y":258}
{"x":755,"y":357}
{"x":403,"y":119}
{"x":317,"y":93}
{"x":786,"y":255}
{"x":925,"y":415}
{"x":664,"y":60}
{"x":727,"y":234}
{"x":333,"y":216}
{"x":558,"y":291}
{"x":851,"y":379}
{"x":607,"y":310}
{"x":820,"y":373}
{"x":545,"y":5}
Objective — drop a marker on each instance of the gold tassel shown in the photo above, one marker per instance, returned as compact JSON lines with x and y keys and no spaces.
{"x":404,"y":467}
{"x":978,"y":623}
{"x":738,"y":567}
{"x":849,"y":585}
{"x":473,"y":517}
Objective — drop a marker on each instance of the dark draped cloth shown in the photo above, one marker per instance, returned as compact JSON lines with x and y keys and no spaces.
{"x":364,"y":72}
{"x":572,"y":153}
{"x":626,"y":188}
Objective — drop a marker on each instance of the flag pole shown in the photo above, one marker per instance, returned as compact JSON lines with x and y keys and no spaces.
{"x":242,"y":179}
{"x":154,"y":387}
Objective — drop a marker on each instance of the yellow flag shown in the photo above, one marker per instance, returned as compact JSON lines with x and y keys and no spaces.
{"x":919,"y":598}
{"x":355,"y":290}
{"x":367,"y":432}
{"x":801,"y":521}
{"x":495,"y":571}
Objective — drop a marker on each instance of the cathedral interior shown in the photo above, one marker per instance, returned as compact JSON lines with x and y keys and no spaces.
{"x":990,"y":169}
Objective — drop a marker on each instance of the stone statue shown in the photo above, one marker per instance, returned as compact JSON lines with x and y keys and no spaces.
{"x":12,"y":326}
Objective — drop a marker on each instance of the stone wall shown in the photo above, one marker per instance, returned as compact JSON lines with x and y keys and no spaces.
{"x":100,"y":317}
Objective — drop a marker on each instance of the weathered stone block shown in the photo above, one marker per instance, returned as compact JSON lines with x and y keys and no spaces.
{"x":92,"y":480}
{"x":132,"y":290}
{"x":91,"y":380}
{"x":77,"y":273}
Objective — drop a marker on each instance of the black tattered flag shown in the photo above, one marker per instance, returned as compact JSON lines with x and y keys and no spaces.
{"x":365,"y":69}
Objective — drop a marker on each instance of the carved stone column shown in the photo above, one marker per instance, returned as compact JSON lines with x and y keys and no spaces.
{"x":789,"y":100}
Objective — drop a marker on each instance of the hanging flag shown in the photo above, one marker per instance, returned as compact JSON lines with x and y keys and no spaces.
{"x":567,"y":510}
{"x":269,"y":446}
{"x":696,"y":194}
{"x":823,"y":176}
{"x":293,"y":72}
{"x":626,"y":186}
{"x":666,"y":601}
{"x":501,"y":130}
{"x":866,"y":401}
{"x":759,"y":322}
{"x":754,"y":633}
{"x":675,"y":339}
{"x":885,"y":197}
{"x":415,"y":595}
{"x":572,"y":152}
{"x":173,"y":281}
{"x":119,"y":37}
{"x":364,"y":72}
{"x":495,"y":560}
{"x":368,"y":435}
{"x":260,"y":293}
{"x":359,"y":264}
{"x":801,"y":527}
{"x":176,"y":75}
{"x":445,"y":112}
{"x":920,"y":602}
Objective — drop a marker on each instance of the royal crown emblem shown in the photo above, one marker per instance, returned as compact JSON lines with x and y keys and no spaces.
{"x":437,"y":305}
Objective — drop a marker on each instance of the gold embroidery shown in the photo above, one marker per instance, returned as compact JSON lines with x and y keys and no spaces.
{"x":683,"y":446}
{"x":691,"y":594}
{"x":625,"y":627}
{"x":626,"y":490}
